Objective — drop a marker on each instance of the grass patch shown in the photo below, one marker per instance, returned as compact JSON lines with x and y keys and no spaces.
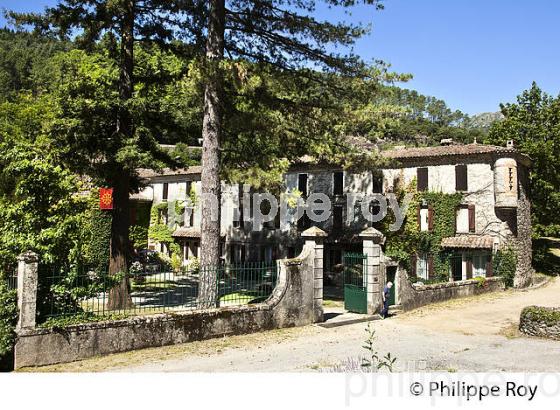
{"x":333,"y":303}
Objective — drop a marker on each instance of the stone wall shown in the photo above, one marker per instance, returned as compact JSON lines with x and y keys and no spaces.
{"x":296,"y":301}
{"x":523,"y":242}
{"x":541,"y":322}
{"x":411,"y":296}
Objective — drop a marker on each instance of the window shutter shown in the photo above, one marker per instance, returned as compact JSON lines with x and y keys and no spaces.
{"x":430,"y":218}
{"x":489,"y":267}
{"x":469,"y":268}
{"x":418,"y":219}
{"x":413,"y":265}
{"x":461,"y":178}
{"x":430,"y":266}
{"x":472,"y":226}
{"x":422,"y":179}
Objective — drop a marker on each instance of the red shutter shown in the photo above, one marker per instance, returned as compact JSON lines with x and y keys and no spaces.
{"x":413,"y":266}
{"x":430,"y":218}
{"x":489,"y":267}
{"x":472,"y":225}
{"x":430,"y":266}
{"x":418,"y":218}
{"x":469,"y":268}
{"x":422,"y":179}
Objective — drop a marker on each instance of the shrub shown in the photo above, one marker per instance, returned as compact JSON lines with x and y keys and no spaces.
{"x":505,"y":265}
{"x":8,"y":320}
{"x":176,"y":262}
{"x":480,"y":281}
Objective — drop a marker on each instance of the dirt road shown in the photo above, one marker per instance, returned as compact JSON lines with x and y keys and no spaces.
{"x":471,"y":334}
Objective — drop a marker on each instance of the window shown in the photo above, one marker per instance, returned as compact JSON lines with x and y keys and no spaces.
{"x":462,"y":224}
{"x":302,"y":184}
{"x":188,"y":188}
{"x":425,"y":218}
{"x":461,"y":178}
{"x":189,"y":217}
{"x":337,"y":217}
{"x":238,"y":211}
{"x":377,"y":183}
{"x":237,"y":253}
{"x":479,"y":265}
{"x":422,"y":179}
{"x":165,"y":191}
{"x":267,"y":253}
{"x":465,"y":221}
{"x":338,"y":183}
{"x":422,"y":266}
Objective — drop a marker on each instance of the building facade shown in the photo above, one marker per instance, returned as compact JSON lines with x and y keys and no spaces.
{"x":494,"y":211}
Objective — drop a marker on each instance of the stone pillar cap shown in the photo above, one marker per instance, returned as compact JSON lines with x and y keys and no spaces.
{"x":314,"y":232}
{"x":28,"y":256}
{"x":371,"y":232}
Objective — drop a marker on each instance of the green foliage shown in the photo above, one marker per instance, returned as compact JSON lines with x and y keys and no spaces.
{"x":374,"y":361}
{"x":542,"y":314}
{"x":8,"y":318}
{"x":22,"y":61}
{"x":504,"y":264}
{"x":96,"y":235}
{"x":39,"y":208}
{"x":139,"y":229}
{"x":533,"y":123}
{"x":425,"y":120}
{"x":79,"y":318}
{"x":480,"y":281}
{"x":161,"y":232}
{"x":546,"y":258}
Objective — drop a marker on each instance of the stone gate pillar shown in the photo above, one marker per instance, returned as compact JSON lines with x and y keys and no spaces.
{"x":27,"y":277}
{"x":314,"y":238}
{"x":372,"y":241}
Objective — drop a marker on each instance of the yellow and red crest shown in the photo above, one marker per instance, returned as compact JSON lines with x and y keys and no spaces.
{"x":106,"y":198}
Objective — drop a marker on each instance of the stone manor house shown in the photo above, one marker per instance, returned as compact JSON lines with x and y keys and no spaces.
{"x":494,"y":212}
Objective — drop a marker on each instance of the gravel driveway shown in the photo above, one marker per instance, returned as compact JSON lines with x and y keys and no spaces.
{"x":471,"y":334}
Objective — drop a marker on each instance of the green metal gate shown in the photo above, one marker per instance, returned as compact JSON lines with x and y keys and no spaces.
{"x":355,"y":282}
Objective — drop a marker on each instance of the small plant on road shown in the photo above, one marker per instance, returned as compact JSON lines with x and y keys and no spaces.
{"x":374,"y":361}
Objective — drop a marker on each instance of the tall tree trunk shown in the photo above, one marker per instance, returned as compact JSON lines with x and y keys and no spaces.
{"x":119,"y":296}
{"x":210,"y":178}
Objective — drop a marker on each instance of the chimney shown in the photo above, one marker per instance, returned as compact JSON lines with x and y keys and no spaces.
{"x":509,"y":144}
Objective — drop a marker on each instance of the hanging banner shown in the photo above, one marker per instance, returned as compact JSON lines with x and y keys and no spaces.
{"x":106,"y":198}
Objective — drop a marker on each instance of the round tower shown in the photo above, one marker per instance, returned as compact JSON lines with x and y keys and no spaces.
{"x":505,"y":183}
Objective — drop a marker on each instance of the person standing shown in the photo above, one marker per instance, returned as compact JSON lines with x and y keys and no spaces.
{"x":386,"y":292}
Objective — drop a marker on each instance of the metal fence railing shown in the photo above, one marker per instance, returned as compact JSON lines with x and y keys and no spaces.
{"x":87,"y":295}
{"x":8,"y":274}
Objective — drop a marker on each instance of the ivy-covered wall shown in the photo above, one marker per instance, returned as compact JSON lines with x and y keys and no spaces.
{"x":409,"y":240}
{"x":139,"y":228}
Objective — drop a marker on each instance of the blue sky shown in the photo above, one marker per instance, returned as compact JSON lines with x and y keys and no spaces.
{"x":473,"y":54}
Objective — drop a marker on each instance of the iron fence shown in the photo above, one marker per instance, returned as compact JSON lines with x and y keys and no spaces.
{"x":8,"y":274}
{"x":90,"y":295}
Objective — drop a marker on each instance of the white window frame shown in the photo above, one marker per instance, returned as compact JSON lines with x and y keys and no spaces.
{"x":479,"y":264}
{"x":462,"y":220}
{"x":424,"y":219}
{"x":422,"y":266}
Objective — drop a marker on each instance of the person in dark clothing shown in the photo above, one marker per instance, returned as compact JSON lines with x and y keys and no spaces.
{"x":386,"y":292}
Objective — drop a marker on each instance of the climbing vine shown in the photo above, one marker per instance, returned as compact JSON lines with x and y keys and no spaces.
{"x":410,"y":240}
{"x":161,"y":232}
